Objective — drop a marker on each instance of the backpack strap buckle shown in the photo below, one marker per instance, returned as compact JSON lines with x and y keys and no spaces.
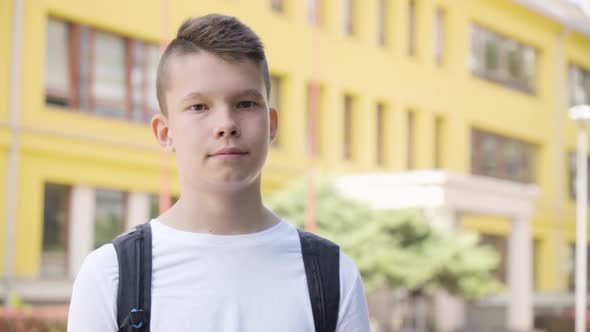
{"x":136,"y":318}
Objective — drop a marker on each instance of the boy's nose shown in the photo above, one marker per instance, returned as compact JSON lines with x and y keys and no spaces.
{"x":227,"y":131}
{"x":227,"y":127}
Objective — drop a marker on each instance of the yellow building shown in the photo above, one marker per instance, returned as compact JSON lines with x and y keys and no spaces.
{"x":473,"y":87}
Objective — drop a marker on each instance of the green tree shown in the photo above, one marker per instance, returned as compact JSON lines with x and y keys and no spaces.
{"x":395,"y":248}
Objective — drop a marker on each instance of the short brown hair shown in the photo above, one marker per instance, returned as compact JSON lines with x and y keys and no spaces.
{"x":224,"y":36}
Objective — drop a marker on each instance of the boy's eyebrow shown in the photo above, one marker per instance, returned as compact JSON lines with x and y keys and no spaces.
{"x":196,"y":94}
{"x":252,"y":93}
{"x":191,"y":95}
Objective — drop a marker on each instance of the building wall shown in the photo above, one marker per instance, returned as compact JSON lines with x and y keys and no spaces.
{"x":79,"y":149}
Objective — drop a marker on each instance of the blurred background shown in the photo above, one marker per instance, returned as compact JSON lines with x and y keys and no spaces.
{"x":429,"y":138}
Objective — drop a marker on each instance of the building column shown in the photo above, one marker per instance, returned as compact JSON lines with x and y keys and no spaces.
{"x":520,"y":277}
{"x":449,"y":312}
{"x":138,"y":209}
{"x":82,"y":208}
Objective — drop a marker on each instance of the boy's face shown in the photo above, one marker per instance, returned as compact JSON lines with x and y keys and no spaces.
{"x":219,"y":123}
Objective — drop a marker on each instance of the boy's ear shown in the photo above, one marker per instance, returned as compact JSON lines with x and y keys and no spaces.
{"x":161,"y":130}
{"x":274,"y":123}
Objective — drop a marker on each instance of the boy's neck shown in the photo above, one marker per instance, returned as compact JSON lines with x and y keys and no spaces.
{"x":220,"y":213}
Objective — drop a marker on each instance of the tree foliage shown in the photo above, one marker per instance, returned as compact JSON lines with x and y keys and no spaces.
{"x":395,"y":248}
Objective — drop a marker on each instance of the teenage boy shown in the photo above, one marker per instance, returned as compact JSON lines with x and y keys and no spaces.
{"x":220,"y":261}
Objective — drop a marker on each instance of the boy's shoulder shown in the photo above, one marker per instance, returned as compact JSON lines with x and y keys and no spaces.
{"x":101,"y":264}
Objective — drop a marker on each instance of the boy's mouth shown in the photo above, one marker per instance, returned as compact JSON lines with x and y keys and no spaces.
{"x":229,"y":153}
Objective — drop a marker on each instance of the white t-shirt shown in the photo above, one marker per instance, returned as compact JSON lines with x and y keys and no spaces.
{"x":217,"y":283}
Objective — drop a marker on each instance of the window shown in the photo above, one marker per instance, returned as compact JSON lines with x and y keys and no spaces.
{"x":412,"y":28}
{"x":314,"y":101}
{"x":439,"y":142}
{"x":382,"y":15}
{"x":572,"y":166}
{"x":277,"y":6}
{"x":572,"y":266}
{"x":380,"y":131}
{"x":57,"y":71}
{"x":348,"y":17}
{"x":143,"y":80}
{"x":503,"y":60}
{"x":579,"y":85}
{"x":410,"y":140}
{"x":108,"y":79}
{"x":275,"y":99}
{"x":154,"y":200}
{"x":500,"y":245}
{"x":501,"y":157}
{"x":347,"y":128}
{"x":110,"y":216}
{"x":439,"y":35}
{"x":100,"y":72}
{"x":54,"y":258}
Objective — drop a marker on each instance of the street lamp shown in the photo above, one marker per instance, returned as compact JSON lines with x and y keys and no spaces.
{"x":581,"y":114}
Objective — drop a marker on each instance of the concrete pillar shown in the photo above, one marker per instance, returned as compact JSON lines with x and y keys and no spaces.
{"x":82,"y":208}
{"x":449,"y":312}
{"x":520,"y":276}
{"x":138,"y":209}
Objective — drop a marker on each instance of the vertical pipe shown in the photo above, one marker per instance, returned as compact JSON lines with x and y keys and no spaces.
{"x":314,"y":91}
{"x":164,"y":194}
{"x":581,"y":227}
{"x":13,"y":155}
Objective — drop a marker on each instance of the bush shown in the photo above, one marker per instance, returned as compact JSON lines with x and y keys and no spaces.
{"x":34,"y":319}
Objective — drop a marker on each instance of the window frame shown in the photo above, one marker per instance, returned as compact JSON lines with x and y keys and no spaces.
{"x":526,"y":171}
{"x":486,"y":43}
{"x":73,"y":99}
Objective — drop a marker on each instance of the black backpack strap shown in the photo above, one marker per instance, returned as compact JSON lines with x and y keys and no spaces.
{"x":134,"y":252}
{"x":321,"y":259}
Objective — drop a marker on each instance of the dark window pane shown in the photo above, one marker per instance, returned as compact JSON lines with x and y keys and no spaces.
{"x":438,"y":142}
{"x":501,"y":157}
{"x":57,"y":70}
{"x":55,"y":231}
{"x":439,"y":35}
{"x":347,"y":127}
{"x":382,"y":16}
{"x":499,"y":244}
{"x":411,"y":27}
{"x":138,"y":81}
{"x":155,"y":204}
{"x":347,"y":7}
{"x":579,"y":85}
{"x":380,"y":133}
{"x":108,"y":85}
{"x":276,"y":5}
{"x":152,"y":61}
{"x":410,"y":140}
{"x":110,"y":216}
{"x":84,"y":70}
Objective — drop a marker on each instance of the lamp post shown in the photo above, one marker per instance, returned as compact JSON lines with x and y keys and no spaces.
{"x":581,"y":115}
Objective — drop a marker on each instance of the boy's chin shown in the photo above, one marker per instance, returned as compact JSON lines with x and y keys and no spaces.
{"x":231,"y":184}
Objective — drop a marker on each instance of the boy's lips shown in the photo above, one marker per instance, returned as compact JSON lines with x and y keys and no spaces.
{"x":229,"y":153}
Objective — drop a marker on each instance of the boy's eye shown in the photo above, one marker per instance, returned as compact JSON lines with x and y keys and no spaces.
{"x":197,"y":107}
{"x":247,"y":104}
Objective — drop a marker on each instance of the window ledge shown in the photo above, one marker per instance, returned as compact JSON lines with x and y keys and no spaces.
{"x":41,"y":290}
